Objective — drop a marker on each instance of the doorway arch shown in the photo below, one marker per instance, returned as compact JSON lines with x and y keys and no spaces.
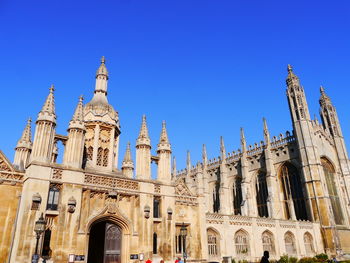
{"x":108,"y":240}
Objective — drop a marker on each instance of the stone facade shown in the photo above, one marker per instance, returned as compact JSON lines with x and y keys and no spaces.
{"x":288,"y":194}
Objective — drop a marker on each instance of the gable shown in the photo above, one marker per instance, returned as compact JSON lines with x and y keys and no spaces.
{"x":182,"y":189}
{"x":5,"y":164}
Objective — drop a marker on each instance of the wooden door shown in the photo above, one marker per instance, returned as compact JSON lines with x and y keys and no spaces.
{"x":113,"y":237}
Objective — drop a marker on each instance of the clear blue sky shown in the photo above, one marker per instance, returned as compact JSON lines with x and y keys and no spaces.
{"x":206,"y":67}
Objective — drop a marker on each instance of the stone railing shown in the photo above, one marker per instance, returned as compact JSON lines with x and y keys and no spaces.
{"x":237,"y":220}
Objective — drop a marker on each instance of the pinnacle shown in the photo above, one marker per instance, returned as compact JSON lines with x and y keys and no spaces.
{"x":266,"y":132}
{"x":243,"y":141}
{"x":26,"y":137}
{"x":164,"y":135}
{"x":222,"y":149}
{"x":204,"y":153}
{"x":78,"y":114}
{"x":49,"y":107}
{"x":143,"y":135}
{"x":127,"y":156}
{"x":188,"y":160}
{"x":289,"y":68}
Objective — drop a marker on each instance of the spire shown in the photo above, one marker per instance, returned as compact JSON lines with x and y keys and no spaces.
{"x":266,"y":132}
{"x":292,"y":79}
{"x":102,"y":70}
{"x":127,"y":156}
{"x":204,"y":154}
{"x":26,"y":139}
{"x":174,"y":167}
{"x":164,"y":143}
{"x":222,"y":149}
{"x":48,"y":110}
{"x":128,"y":164}
{"x":78,"y":117}
{"x":188,"y":162}
{"x":324,"y":97}
{"x":143,"y":138}
{"x":243,"y":141}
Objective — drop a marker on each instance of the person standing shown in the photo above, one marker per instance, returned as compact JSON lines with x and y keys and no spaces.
{"x":265,"y":258}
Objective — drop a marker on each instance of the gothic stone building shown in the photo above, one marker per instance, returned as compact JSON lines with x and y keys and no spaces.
{"x":288,"y":194}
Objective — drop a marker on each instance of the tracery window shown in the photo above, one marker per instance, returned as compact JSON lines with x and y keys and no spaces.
{"x":242,"y":243}
{"x":329,"y":173}
{"x":289,"y":242}
{"x":262,"y":195}
{"x":99,"y":156}
{"x":52,"y":200}
{"x":105,"y":158}
{"x":213,"y":243}
{"x":268,"y":242}
{"x":237,"y":195}
{"x":309,"y":246}
{"x":292,"y":190}
{"x":89,"y":152}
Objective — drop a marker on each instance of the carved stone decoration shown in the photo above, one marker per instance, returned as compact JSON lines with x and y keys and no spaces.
{"x":112,"y":207}
{"x":111,"y":182}
{"x":57,"y":174}
{"x":5,"y":164}
{"x":71,"y":204}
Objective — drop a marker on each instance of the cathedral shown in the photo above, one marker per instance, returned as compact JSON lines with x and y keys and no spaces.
{"x":288,"y":194}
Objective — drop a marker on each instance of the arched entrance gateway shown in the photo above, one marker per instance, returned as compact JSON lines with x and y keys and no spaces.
{"x":105,"y":243}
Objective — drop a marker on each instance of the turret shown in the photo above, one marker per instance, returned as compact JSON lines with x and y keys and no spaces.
{"x":164,"y":154}
{"x":74,"y":150}
{"x":329,"y":115}
{"x":24,"y":147}
{"x":128,"y":164}
{"x":143,"y":152}
{"x":102,"y":126}
{"x":225,"y":205}
{"x":43,"y":144}
{"x":296,"y":97}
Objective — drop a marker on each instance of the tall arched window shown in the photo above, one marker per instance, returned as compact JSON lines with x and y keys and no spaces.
{"x":268,"y":242}
{"x":293,"y":189}
{"x":242,"y":243}
{"x":216,"y":197}
{"x":262,"y":195}
{"x":213,"y":243}
{"x":237,"y":195}
{"x":309,"y":246}
{"x":289,"y":242}
{"x":155,"y":245}
{"x":329,"y":173}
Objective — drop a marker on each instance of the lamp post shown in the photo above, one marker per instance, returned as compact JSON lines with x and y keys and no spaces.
{"x":39,"y":228}
{"x":183,"y":233}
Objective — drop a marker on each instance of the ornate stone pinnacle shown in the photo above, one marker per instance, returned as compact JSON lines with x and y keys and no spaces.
{"x":289,"y":68}
{"x":52,"y":88}
{"x":103,"y":60}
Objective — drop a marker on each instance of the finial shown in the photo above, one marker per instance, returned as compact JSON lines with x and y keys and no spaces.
{"x":290,"y":68}
{"x":29,"y":120}
{"x":52,"y":88}
{"x":222,"y":149}
{"x":243,"y":141}
{"x":322,"y":90}
{"x":188,"y":162}
{"x":81,"y":98}
{"x":204,"y":154}
{"x":103,"y":60}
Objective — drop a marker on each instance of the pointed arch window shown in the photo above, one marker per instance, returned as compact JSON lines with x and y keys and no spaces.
{"x":216,"y":198}
{"x":268,"y":242}
{"x":213,"y":243}
{"x":237,"y":195}
{"x":262,"y":195}
{"x":292,"y":191}
{"x":329,"y":173}
{"x":242,"y":243}
{"x":309,"y":246}
{"x":289,"y":242}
